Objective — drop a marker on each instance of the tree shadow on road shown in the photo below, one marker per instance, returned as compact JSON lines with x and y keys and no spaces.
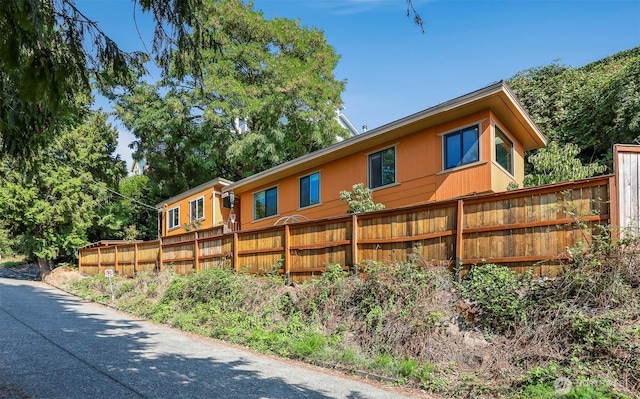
{"x":64,"y":348}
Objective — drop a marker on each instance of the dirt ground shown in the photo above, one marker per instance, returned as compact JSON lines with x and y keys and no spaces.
{"x":61,"y":275}
{"x":57,"y":278}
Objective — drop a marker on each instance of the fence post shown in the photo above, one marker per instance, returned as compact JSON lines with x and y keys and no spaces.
{"x":354,"y":243}
{"x":115,"y":255}
{"x":160,"y":255}
{"x":614,"y":206}
{"x":99,"y":260}
{"x":236,"y":261}
{"x":80,"y":261}
{"x":135,"y":259}
{"x":287,"y":254}
{"x":459,"y":245}
{"x":196,"y":252}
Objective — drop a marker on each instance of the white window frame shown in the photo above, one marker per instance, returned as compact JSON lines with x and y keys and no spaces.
{"x":193,"y":218}
{"x":170,"y":219}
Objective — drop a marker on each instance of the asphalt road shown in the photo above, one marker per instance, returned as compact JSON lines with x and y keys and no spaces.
{"x":53,"y":345}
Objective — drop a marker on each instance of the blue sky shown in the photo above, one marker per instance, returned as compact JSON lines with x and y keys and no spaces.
{"x":393,"y":70}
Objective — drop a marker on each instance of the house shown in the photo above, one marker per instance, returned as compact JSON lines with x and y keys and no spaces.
{"x":473,"y":144}
{"x":343,"y":121}
{"x":138,"y":167}
{"x":201,"y":207}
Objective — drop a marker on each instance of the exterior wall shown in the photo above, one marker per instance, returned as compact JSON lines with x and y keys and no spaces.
{"x":420,"y":176}
{"x":184,"y":213}
{"x":466,"y":179}
{"x":223,"y":214}
{"x":214,"y":213}
{"x":500,"y":178}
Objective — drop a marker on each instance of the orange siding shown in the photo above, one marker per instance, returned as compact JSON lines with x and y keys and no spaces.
{"x":419,"y":175}
{"x":472,"y":178}
{"x":184,"y":212}
{"x":214,"y":213}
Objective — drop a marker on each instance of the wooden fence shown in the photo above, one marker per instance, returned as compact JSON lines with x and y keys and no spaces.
{"x":522,"y":228}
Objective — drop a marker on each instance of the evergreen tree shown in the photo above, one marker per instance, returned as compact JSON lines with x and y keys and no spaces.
{"x":63,"y":197}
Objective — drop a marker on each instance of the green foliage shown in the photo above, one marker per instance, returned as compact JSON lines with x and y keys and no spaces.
{"x":124,"y":288}
{"x":500,"y":294}
{"x":11,"y":264}
{"x":558,"y":163}
{"x":334,"y":274}
{"x":42,"y":68}
{"x":593,"y":107}
{"x":539,"y":382}
{"x":408,"y":368}
{"x":597,"y":335}
{"x":8,"y":244}
{"x":130,"y":233}
{"x":590,"y":392}
{"x":52,"y":52}
{"x":141,"y":222}
{"x":271,"y":96}
{"x":310,"y":345}
{"x":61,"y":200}
{"x":360,"y":199}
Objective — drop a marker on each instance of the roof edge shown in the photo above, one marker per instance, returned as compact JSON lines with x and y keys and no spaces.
{"x":529,"y":119}
{"x":455,"y":102}
{"x":218,"y":181}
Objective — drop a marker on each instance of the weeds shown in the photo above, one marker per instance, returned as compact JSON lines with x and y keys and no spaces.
{"x":12,"y":264}
{"x":575,"y":336}
{"x":502,"y":296}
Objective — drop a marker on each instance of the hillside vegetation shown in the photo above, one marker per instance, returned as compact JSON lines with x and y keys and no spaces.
{"x":594,"y":106}
{"x":494,"y":334}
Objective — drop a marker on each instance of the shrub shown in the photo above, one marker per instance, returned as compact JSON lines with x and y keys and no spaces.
{"x":501,"y":294}
{"x":360,"y":200}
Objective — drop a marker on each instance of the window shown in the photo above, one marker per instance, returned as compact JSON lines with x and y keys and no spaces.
{"x":504,"y":151}
{"x":196,"y":209}
{"x":310,"y":190}
{"x":173,"y":218}
{"x":461,"y":147}
{"x":265,"y":203}
{"x":382,"y":168}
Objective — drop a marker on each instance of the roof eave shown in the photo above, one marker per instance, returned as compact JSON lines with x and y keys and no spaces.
{"x":536,"y":138}
{"x":218,"y":181}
